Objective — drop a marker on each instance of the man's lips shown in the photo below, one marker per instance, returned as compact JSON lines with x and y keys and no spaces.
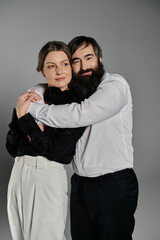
{"x":86,"y":73}
{"x":60,"y":79}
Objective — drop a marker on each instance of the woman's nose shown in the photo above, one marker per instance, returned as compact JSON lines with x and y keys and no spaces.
{"x":59,"y":70}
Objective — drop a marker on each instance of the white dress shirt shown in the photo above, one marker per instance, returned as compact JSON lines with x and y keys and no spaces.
{"x":106,"y":145}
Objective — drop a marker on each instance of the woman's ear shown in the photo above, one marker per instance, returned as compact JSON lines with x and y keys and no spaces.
{"x":100,"y":59}
{"x":43,"y":74}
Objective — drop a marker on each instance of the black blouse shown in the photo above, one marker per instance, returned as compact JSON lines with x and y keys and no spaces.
{"x":54,"y":143}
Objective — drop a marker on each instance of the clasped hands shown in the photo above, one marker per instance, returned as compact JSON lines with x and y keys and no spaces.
{"x":24,"y":100}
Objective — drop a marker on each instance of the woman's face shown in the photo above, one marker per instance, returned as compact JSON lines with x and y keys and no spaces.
{"x":57,"y":70}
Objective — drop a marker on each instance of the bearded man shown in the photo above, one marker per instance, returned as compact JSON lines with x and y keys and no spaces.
{"x":104,"y":187}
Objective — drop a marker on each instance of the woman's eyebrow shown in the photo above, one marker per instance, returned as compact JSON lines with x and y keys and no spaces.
{"x":61,"y":61}
{"x":49,"y":62}
{"x":65,"y":60}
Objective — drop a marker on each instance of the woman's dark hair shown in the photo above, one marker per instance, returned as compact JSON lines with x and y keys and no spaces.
{"x":77,"y":42}
{"x":51,"y":47}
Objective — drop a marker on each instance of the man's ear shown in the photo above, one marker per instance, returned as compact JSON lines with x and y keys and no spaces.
{"x":100,"y":59}
{"x":42,"y":73}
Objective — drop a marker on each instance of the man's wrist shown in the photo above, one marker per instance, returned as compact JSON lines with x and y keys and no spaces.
{"x":33,"y":108}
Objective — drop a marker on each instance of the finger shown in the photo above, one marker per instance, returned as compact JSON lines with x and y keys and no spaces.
{"x":34,"y":93}
{"x":25,"y":93}
{"x":38,"y":97}
{"x":35,"y":96}
{"x":24,"y":96}
{"x":33,"y":100}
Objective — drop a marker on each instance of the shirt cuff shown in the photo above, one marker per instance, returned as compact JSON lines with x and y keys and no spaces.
{"x":27,"y":123}
{"x":13,"y":124}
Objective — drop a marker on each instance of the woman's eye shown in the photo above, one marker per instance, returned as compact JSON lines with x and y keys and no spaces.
{"x":51,"y":66}
{"x":65,"y":64}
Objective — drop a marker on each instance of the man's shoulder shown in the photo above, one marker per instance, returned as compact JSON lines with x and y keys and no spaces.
{"x":108,"y":77}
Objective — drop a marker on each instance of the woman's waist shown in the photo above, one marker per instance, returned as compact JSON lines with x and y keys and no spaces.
{"x":38,"y":162}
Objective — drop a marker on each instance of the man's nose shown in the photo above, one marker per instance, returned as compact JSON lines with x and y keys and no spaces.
{"x":83,"y":66}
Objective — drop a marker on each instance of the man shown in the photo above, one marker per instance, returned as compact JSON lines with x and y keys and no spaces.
{"x":104,"y":187}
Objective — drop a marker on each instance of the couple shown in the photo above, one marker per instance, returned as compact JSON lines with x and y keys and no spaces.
{"x":92,"y":125}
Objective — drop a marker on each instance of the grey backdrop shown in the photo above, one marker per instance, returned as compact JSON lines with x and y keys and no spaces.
{"x":128,"y":32}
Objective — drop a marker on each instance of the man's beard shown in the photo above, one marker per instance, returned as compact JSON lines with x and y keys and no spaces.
{"x":87,"y":84}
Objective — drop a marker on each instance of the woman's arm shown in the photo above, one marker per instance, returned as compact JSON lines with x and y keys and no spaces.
{"x":52,"y":143}
{"x":13,"y":136}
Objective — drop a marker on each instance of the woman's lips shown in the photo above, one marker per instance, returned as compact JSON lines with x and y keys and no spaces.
{"x":60,"y":79}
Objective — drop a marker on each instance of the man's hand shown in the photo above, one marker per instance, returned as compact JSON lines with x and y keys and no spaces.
{"x":22,"y":104}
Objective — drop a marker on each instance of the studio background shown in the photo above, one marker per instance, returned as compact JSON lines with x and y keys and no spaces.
{"x":128,"y":32}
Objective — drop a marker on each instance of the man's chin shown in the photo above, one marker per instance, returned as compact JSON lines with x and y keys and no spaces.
{"x":84,"y":78}
{"x":87,"y":82}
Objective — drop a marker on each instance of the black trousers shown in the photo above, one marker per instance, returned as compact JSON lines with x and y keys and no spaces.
{"x":102,"y":208}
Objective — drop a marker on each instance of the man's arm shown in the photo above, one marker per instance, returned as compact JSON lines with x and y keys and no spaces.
{"x":109,"y":99}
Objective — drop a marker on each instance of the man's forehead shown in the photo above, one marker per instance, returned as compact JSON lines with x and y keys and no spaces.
{"x":84,"y":50}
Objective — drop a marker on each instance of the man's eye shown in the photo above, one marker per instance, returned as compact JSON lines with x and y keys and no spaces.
{"x":75,"y":62}
{"x":89,"y":58}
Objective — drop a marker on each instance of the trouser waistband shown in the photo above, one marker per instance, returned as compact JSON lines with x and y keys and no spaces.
{"x":100,"y":178}
{"x":38,"y":162}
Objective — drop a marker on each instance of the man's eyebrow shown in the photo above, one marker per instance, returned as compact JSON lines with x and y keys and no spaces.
{"x":75,"y":59}
{"x":89,"y":55}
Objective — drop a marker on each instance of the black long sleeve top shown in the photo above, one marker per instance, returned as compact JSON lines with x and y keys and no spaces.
{"x":54,"y":143}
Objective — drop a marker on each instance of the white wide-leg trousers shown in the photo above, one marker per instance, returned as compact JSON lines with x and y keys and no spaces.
{"x":37,"y":199}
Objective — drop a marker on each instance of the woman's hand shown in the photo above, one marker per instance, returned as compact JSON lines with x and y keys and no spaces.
{"x":34,"y":97}
{"x":24,"y":100}
{"x":22,"y":104}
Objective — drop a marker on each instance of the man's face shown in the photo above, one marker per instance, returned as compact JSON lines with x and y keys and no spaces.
{"x":84,"y":61}
{"x":87,"y":69}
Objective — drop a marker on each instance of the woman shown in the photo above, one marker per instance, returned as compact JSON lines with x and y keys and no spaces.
{"x":37,"y":192}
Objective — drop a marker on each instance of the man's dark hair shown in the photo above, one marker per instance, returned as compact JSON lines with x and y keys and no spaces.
{"x":79,"y":41}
